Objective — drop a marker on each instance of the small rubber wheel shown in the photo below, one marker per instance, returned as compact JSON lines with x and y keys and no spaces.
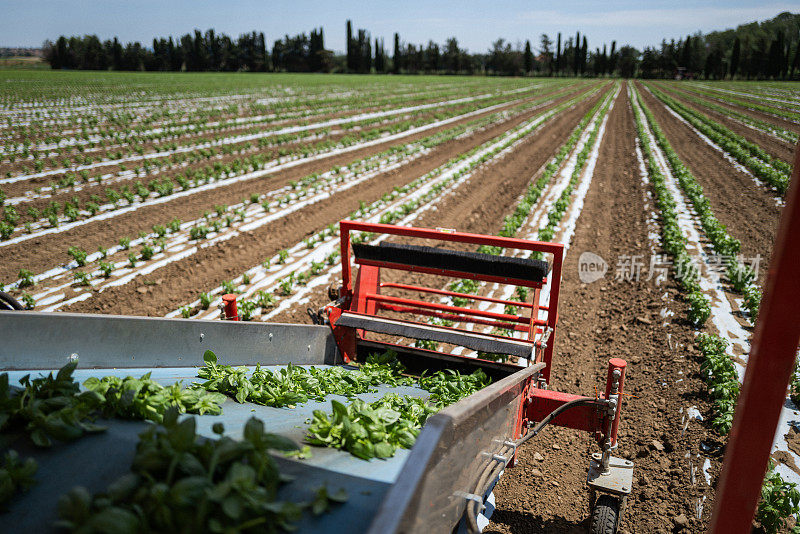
{"x":605,"y":515}
{"x":7,"y":302}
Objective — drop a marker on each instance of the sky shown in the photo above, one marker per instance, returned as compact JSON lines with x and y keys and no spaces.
{"x":476,"y":24}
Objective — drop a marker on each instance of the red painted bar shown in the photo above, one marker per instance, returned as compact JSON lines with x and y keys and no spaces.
{"x":545,"y":401}
{"x":456,"y":318}
{"x":446,"y":307}
{"x":454,"y":294}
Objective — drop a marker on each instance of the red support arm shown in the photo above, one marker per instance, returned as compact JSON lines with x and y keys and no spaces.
{"x":543,"y":401}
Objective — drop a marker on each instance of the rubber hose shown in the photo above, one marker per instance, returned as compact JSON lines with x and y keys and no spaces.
{"x":7,"y":302}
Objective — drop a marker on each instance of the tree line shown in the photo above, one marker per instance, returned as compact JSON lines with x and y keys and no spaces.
{"x":760,"y":50}
{"x":195,"y":52}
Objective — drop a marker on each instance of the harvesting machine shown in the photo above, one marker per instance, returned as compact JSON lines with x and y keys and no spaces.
{"x":442,"y":484}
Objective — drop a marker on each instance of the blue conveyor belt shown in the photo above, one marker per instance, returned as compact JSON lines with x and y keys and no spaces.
{"x":94,"y":461}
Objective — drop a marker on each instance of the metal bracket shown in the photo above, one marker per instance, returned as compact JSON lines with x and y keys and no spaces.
{"x":617,"y":479}
{"x":471,"y":497}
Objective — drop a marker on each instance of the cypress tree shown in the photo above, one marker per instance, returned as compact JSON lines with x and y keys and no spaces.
{"x":528,"y":58}
{"x":584,"y":51}
{"x":350,"y":51}
{"x":612,"y":58}
{"x":397,"y":53}
{"x":558,"y":55}
{"x":604,"y":61}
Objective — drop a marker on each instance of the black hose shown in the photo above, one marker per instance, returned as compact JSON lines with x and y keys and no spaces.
{"x":490,"y":472}
{"x":494,"y":467}
{"x":552,"y":415}
{"x":7,"y":302}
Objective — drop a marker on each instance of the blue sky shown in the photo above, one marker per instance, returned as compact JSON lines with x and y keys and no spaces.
{"x":475,"y":24}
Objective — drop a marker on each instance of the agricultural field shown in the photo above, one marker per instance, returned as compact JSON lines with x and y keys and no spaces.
{"x":156,"y":193}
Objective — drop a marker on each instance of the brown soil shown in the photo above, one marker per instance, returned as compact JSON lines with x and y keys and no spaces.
{"x":198,"y":138}
{"x":99,"y":189}
{"x":211,"y":266}
{"x":21,"y":187}
{"x":767,"y":117}
{"x":737,"y":201}
{"x":774,"y":147}
{"x":41,"y":253}
{"x":615,"y":319}
{"x":478,"y":205}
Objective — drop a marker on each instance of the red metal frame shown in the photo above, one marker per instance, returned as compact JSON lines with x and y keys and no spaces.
{"x":593,"y":419}
{"x":364,"y":297}
{"x":769,"y":370}
{"x":366,"y":291}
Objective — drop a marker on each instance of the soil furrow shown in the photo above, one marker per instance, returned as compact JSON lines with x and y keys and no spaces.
{"x":546,"y":491}
{"x":774,"y":147}
{"x":477,"y":206}
{"x":760,"y":115}
{"x":747,"y":209}
{"x":43,"y":252}
{"x":209,"y":267}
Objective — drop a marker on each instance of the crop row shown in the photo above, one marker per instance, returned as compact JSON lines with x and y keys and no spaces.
{"x":273,"y":204}
{"x":771,"y":170}
{"x":246,"y":213}
{"x":718,"y":367}
{"x":748,"y":104}
{"x":151,"y":129}
{"x":740,"y":276}
{"x":673,"y":240}
{"x":381,"y":210}
{"x":136,"y":152}
{"x":764,"y":126}
{"x":202,"y":180}
{"x":280,"y":136}
{"x":558,"y":209}
{"x":140,"y":116}
{"x":513,"y":222}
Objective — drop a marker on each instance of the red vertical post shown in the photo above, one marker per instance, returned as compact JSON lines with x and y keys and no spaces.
{"x":769,"y":369}
{"x":552,"y":310}
{"x":615,"y":364}
{"x":344,"y":257}
{"x":229,"y":307}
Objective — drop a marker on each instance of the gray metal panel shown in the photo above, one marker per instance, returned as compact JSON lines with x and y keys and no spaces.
{"x":448,"y":457}
{"x":470,"y":340}
{"x":32,"y":340}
